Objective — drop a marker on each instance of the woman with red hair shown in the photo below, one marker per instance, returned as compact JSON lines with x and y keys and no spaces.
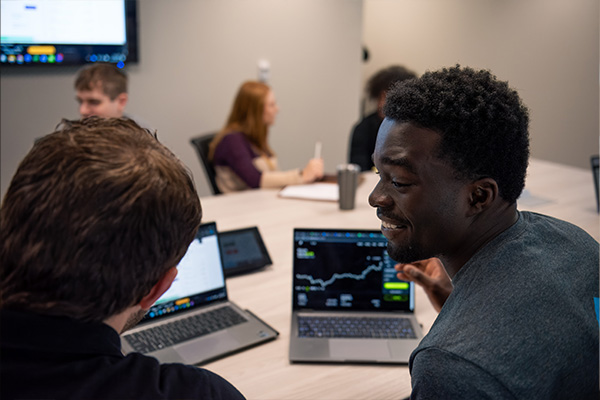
{"x":241,"y":153}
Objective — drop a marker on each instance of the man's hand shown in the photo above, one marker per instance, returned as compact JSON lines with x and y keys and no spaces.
{"x":431,"y":276}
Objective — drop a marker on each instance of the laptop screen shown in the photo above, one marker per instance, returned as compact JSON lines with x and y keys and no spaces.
{"x":346,"y":270}
{"x":243,"y":250}
{"x":199,"y":279}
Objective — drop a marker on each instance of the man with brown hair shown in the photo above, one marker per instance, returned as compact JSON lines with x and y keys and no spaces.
{"x":92,"y":227}
{"x":101,"y":90}
{"x":364,"y":133}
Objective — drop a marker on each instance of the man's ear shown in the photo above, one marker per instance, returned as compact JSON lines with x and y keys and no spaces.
{"x":482,"y":195}
{"x":157,"y":290}
{"x":122,"y":101}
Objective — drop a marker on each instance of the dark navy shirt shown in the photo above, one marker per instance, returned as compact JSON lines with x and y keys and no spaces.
{"x":520,"y":322}
{"x":235,"y":152}
{"x":362,"y":141}
{"x":44,"y":357}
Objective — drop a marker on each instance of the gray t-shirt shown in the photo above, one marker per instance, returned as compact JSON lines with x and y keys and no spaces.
{"x":520,"y":322}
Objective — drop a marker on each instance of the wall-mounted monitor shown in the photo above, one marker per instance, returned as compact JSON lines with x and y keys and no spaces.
{"x":68,"y":32}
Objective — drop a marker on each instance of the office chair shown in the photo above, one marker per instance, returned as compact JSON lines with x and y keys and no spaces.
{"x":201,"y":143}
{"x":594,"y":161}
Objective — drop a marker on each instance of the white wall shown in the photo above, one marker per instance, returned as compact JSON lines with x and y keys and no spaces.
{"x":194,"y":55}
{"x":546,"y":49}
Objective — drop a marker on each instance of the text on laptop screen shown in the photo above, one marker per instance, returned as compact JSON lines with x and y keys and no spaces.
{"x":348,"y":269}
{"x":199,"y":279}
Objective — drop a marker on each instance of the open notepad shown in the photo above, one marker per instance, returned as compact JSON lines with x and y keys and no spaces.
{"x":312,"y":191}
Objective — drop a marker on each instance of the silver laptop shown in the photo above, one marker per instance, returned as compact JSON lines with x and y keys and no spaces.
{"x":193,"y":322}
{"x":348,"y":304}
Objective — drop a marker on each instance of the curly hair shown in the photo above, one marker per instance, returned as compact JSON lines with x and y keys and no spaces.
{"x":482,"y":122}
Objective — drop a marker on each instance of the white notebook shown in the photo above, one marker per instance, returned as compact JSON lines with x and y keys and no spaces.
{"x":313,"y":191}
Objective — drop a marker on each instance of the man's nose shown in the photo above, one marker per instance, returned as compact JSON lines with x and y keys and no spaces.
{"x":84,"y":110}
{"x":378,"y":198}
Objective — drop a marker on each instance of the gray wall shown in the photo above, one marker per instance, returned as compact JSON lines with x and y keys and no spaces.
{"x":546,"y":49}
{"x":194,"y":55}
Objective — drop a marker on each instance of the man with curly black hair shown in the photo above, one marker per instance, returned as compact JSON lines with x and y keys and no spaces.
{"x":514,"y":289}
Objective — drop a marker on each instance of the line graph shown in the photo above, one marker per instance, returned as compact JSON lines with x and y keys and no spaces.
{"x":345,"y":275}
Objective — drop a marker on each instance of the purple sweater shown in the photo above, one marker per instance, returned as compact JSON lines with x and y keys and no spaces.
{"x":235,"y":152}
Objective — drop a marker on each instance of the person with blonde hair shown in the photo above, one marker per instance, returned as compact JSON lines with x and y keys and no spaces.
{"x":240,"y":152}
{"x":101,"y":90}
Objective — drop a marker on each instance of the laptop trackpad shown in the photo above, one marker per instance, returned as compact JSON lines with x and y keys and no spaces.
{"x":347,"y":349}
{"x":196,"y":351}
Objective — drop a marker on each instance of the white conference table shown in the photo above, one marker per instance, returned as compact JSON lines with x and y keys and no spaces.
{"x":264,"y":372}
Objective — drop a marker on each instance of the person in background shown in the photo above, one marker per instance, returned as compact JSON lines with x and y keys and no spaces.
{"x":364,"y":133}
{"x":514,"y":289}
{"x":101,"y":90}
{"x":92,"y":227}
{"x":241,"y":153}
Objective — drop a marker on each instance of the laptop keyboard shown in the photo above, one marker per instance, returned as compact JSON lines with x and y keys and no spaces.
{"x":184,"y":329}
{"x":355,"y":327}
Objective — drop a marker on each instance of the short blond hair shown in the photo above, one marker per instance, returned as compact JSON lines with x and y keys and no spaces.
{"x":110,"y":79}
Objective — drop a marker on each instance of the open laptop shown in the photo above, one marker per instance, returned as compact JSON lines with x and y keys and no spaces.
{"x":348,"y":304}
{"x":193,"y":322}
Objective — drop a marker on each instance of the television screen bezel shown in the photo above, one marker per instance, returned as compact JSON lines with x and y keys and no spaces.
{"x":132,"y":37}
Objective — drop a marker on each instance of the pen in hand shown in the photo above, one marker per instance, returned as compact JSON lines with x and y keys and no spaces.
{"x":318,"y":150}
